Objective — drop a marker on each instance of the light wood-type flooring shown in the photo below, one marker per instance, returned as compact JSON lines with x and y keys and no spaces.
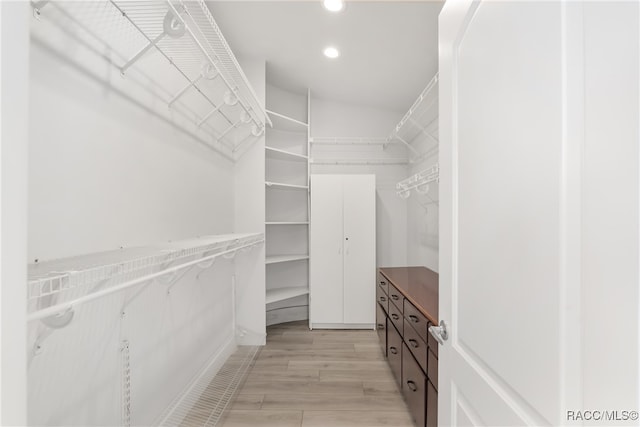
{"x":319,"y":378}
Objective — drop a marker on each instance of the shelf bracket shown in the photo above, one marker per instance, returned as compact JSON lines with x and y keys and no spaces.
{"x":172,"y":26}
{"x":227,"y":130}
{"x":38,"y":6}
{"x":209,"y":114}
{"x":51,"y":323}
{"x":409,"y":146}
{"x":208,"y":72}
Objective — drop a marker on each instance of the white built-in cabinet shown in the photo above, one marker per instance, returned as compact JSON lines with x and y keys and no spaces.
{"x":287,"y":218}
{"x":343,"y":251}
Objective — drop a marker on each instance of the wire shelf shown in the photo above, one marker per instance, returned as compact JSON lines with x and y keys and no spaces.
{"x":419,"y":119}
{"x":55,"y":282}
{"x":420,"y":182}
{"x":206,"y":399}
{"x":196,"y":71}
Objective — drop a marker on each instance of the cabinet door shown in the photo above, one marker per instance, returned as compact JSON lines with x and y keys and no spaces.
{"x":381,"y":327}
{"x":394,"y":352}
{"x":414,"y":387}
{"x":359,"y":248}
{"x":326,"y":250}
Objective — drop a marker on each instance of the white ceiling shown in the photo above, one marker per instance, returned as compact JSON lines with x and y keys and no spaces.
{"x":388,"y":49}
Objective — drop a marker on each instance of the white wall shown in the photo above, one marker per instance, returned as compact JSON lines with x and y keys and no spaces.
{"x":249,"y":211}
{"x":14,"y":72}
{"x":610,"y":202}
{"x":332,"y":119}
{"x":104,"y":173}
{"x":109,"y":166}
{"x":288,"y":103}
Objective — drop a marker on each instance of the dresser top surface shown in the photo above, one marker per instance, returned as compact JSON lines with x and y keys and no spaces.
{"x":419,"y":285}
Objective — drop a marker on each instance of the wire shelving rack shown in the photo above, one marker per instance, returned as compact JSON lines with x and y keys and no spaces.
{"x":179,"y":47}
{"x":55,"y":287}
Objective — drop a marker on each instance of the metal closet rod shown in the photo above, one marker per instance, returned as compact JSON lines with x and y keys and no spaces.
{"x":186,"y":114}
{"x":154,"y":43}
{"x":233,"y":89}
{"x":419,"y":179}
{"x":67,"y":306}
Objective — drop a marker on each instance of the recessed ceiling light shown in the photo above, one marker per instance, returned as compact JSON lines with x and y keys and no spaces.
{"x":334,"y":5}
{"x":331,"y":52}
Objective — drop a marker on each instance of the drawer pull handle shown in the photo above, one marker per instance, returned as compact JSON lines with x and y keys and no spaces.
{"x":395,"y":297}
{"x":383,"y":299}
{"x":380,"y":326}
{"x":393,"y":350}
{"x":383,"y":284}
{"x":414,"y":343}
{"x":414,"y":319}
{"x":412,"y":386}
{"x":394,"y":316}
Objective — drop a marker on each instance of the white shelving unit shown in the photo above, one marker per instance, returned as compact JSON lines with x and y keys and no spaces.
{"x":287,"y":221}
{"x":175,"y":48}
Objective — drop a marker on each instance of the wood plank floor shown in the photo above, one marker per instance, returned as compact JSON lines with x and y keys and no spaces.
{"x":319,"y":378}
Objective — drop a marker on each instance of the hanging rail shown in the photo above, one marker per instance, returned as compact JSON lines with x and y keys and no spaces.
{"x":187,"y":36}
{"x":61,"y":282}
{"x":193,"y":18}
{"x":420,"y":182}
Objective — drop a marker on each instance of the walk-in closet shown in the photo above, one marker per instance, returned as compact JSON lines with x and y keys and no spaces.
{"x":319,"y":213}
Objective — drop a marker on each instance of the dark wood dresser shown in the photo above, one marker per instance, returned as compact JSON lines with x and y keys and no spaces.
{"x":407,"y":304}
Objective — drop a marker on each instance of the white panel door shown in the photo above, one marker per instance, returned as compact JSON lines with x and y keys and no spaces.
{"x":359,"y":249}
{"x":326,"y":250}
{"x":507,"y":277}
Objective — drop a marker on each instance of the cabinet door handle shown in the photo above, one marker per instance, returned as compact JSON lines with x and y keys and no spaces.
{"x":393,"y":350}
{"x":414,"y":343}
{"x":383,"y":284}
{"x":395,"y":297}
{"x":412,"y":386}
{"x":383,"y":299}
{"x":394,"y":316}
{"x":380,"y":326}
{"x":414,"y":319}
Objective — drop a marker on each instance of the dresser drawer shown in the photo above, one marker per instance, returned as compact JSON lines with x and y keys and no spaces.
{"x":381,"y":327}
{"x":416,"y":319}
{"x":414,"y":387}
{"x":396,"y":317}
{"x":432,"y":369}
{"x":382,"y":299}
{"x":395,"y":297}
{"x":433,"y":344}
{"x":394,"y":352}
{"x":432,"y":405}
{"x":416,"y":345}
{"x":383,"y":283}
